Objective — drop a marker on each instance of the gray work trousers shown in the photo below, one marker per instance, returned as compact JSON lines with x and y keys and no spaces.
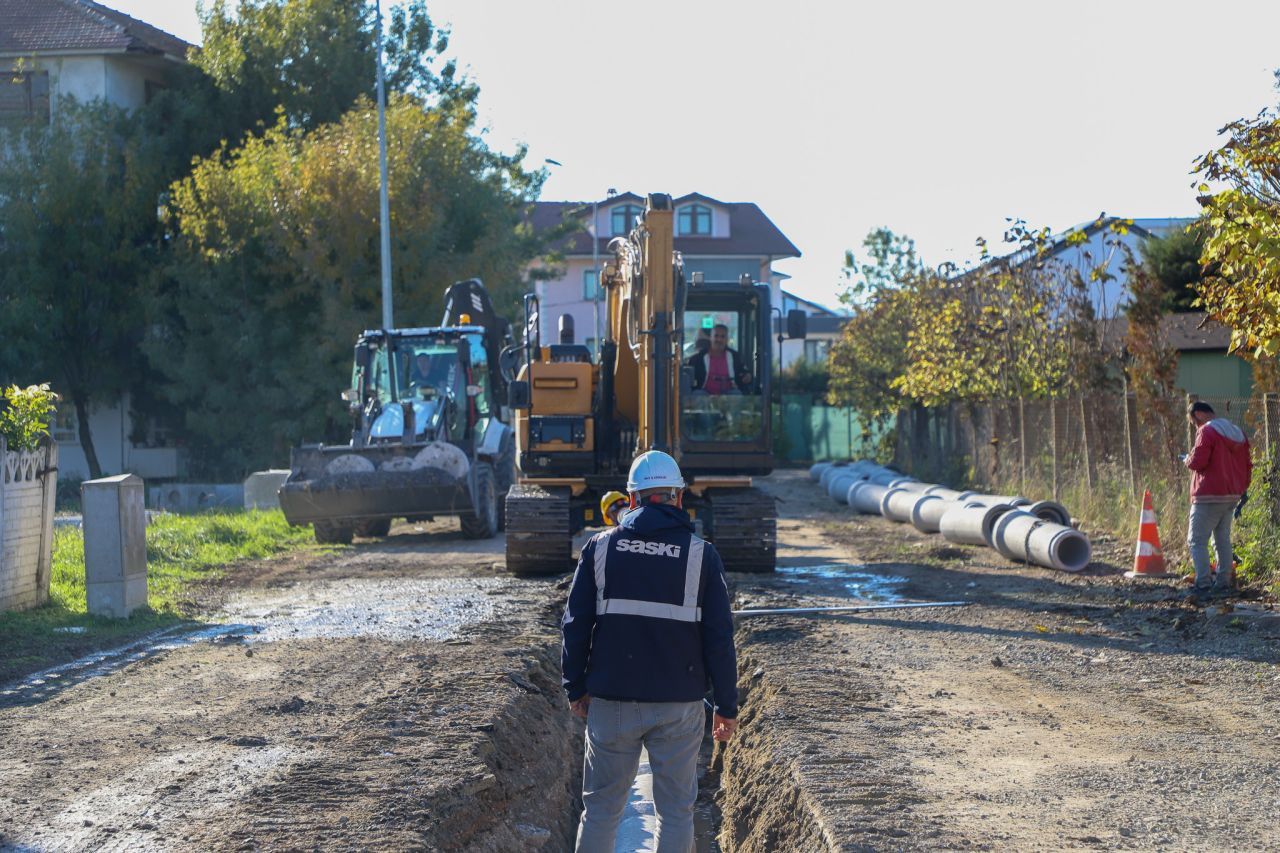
{"x":1211,"y":518}
{"x":616,"y":731}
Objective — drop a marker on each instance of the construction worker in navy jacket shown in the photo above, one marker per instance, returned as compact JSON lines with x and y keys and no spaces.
{"x":646,"y":628}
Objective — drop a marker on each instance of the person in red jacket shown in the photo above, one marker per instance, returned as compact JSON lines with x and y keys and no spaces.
{"x":1220,"y":472}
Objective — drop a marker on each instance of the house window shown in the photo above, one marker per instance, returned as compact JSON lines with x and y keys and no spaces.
{"x":694,"y":220}
{"x":24,"y":96}
{"x":590,"y":285}
{"x":623,"y":218}
{"x":66,"y":427}
{"x":815,"y":352}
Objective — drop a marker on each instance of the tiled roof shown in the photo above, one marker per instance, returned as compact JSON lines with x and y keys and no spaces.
{"x":37,"y":26}
{"x":1183,"y":332}
{"x":750,"y":231}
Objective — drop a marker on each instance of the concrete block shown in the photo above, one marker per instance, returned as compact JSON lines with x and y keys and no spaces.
{"x":117,"y":599}
{"x":194,"y":497}
{"x":115,"y":546}
{"x":262,"y":488}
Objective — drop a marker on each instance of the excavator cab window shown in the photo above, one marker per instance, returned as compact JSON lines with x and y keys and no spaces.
{"x":721,"y":351}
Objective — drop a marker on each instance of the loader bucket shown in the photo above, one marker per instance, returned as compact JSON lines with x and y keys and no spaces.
{"x":347,"y":484}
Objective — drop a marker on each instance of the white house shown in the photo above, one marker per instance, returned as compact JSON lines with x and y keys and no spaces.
{"x":722,"y":240}
{"x":53,"y":49}
{"x":50,"y":49}
{"x":1103,"y":239}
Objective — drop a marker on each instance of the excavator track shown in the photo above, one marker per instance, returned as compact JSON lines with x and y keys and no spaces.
{"x":744,"y":528}
{"x":539,"y":541}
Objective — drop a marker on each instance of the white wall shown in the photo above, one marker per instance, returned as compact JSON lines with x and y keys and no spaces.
{"x":81,"y":77}
{"x":109,"y":426}
{"x":117,"y":79}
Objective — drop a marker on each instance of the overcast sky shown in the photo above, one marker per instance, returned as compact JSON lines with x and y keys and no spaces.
{"x":936,"y":119}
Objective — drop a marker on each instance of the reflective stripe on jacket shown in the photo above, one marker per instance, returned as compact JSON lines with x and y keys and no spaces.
{"x":648,"y":615}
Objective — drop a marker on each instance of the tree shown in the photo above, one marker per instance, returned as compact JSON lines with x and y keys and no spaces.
{"x":310,"y":60}
{"x":276,"y":268}
{"x":1173,"y":262}
{"x":870,"y":356}
{"x":1242,"y":242}
{"x":77,"y":241}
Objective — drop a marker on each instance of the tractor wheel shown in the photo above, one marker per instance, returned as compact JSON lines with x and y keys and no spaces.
{"x":375,"y":529}
{"x":333,"y":533}
{"x":482,"y":523}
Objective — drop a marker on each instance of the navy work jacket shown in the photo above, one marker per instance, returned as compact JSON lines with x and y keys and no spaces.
{"x":648,"y":615}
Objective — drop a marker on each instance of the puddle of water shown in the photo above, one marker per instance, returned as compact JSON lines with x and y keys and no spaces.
{"x":859,"y":584}
{"x":396,"y":609}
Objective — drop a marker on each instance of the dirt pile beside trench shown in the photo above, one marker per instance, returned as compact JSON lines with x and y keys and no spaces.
{"x":338,"y":743}
{"x":1055,"y":712}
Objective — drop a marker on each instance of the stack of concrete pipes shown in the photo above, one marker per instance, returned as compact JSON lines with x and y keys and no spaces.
{"x":1037,"y":532}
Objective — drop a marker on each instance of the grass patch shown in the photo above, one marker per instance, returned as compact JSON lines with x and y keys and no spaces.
{"x":182,"y":552}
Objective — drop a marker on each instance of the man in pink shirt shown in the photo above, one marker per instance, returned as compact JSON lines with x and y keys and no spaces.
{"x":719,"y":370}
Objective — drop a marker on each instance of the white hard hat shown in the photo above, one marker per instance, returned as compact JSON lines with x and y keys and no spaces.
{"x":654,"y":470}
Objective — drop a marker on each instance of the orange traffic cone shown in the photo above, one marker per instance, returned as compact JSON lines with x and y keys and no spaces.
{"x":1148,"y":560}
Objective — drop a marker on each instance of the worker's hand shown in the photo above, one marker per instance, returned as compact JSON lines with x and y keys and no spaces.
{"x":581,"y":705}
{"x":722,"y":728}
{"x":745,"y":378}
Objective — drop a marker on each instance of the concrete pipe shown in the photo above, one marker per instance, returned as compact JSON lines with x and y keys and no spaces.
{"x":836,"y":468}
{"x":1023,"y":537}
{"x":992,"y":500}
{"x":943,"y":492}
{"x":914,"y":486}
{"x":971,"y":523}
{"x":896,"y":505}
{"x":964,"y":496}
{"x":925,"y":513}
{"x":866,"y":496}
{"x":815,"y":471}
{"x":1050,"y":511}
{"x":838,"y":489}
{"x":901,"y":480}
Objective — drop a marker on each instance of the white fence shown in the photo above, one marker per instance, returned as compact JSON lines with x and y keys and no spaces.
{"x":28,"y":483}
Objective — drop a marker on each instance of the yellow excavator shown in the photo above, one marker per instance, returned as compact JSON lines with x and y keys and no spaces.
{"x":685,"y":368}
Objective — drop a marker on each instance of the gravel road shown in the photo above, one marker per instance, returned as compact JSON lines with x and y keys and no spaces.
{"x":404,"y":695}
{"x":1054,"y":712}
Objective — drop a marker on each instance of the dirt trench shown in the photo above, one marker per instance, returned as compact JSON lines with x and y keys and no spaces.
{"x":1054,"y":712}
{"x":384,"y":735}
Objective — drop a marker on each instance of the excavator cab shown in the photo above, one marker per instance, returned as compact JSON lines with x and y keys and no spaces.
{"x":725,"y":379}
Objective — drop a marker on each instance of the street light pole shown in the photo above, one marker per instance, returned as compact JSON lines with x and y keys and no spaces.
{"x":384,"y":205}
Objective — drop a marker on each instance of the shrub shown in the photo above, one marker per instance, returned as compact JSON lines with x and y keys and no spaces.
{"x":25,"y":415}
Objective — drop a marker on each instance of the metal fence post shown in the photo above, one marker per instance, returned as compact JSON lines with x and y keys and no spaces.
{"x":1088,"y":452}
{"x":1022,"y":446}
{"x":1191,"y":427}
{"x":1053,"y":441}
{"x":1130,"y":455}
{"x":1268,"y":422}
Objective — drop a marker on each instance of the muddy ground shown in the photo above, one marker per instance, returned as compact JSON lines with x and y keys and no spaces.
{"x":1054,"y":712}
{"x":405,"y":696}
{"x":402,"y":697}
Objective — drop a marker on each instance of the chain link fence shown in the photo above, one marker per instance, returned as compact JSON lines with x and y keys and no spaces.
{"x":1097,"y":453}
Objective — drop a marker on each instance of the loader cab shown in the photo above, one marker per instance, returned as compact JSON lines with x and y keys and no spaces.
{"x":725,"y":379}
{"x":443,"y":374}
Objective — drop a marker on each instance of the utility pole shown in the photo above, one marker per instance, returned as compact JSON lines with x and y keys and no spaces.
{"x":384,"y":206}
